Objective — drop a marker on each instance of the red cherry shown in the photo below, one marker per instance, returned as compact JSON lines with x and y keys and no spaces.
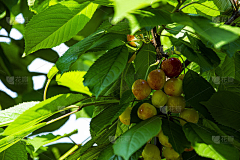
{"x":172,"y":67}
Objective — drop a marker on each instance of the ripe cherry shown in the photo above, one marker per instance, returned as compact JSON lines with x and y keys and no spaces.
{"x":141,"y":89}
{"x":156,"y":79}
{"x":172,"y":67}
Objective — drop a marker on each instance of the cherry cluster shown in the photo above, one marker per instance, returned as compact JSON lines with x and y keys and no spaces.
{"x":167,"y":91}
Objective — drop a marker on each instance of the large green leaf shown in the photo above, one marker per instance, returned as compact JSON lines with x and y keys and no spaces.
{"x":176,"y":136}
{"x":224,"y":109}
{"x":10,"y":114}
{"x":217,"y":34}
{"x":42,"y":111}
{"x":15,"y":137}
{"x":196,"y":90}
{"x":74,"y":81}
{"x":16,"y":151}
{"x":206,"y":144}
{"x":5,"y":64}
{"x":57,"y":24}
{"x":232,"y":47}
{"x":136,"y":137}
{"x":145,"y":57}
{"x":123,"y":7}
{"x":109,"y":68}
{"x":73,"y":53}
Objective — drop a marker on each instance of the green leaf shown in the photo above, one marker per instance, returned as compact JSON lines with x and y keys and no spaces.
{"x":55,"y":25}
{"x":39,"y":141}
{"x":123,"y":7}
{"x":223,"y":5}
{"x":10,"y":114}
{"x":202,"y":51}
{"x":52,"y":72}
{"x":10,"y":140}
{"x":228,"y":84}
{"x":231,"y":48}
{"x":75,"y":51}
{"x":230,"y":68}
{"x":207,"y":9}
{"x":145,"y":57}
{"x":107,"y":153}
{"x":148,"y":17}
{"x":196,"y":90}
{"x":128,"y":74}
{"x":222,"y":106}
{"x":107,"y":117}
{"x":136,"y":137}
{"x":205,"y":143}
{"x":217,"y":34}
{"x":74,"y":81}
{"x":16,"y":151}
{"x":38,"y":6}
{"x":109,"y":66}
{"x":5,"y":63}
{"x":42,"y":111}
{"x":106,"y":42}
{"x":176,"y":136}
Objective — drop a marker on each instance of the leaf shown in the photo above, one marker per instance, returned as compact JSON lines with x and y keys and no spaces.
{"x":222,"y":106}
{"x":123,"y":7}
{"x":75,"y":51}
{"x":10,"y":114}
{"x":223,"y":5}
{"x":202,"y":59}
{"x":10,"y":3}
{"x":217,"y":34}
{"x":109,"y":67}
{"x":39,"y":141}
{"x":106,"y":117}
{"x":55,"y":25}
{"x":10,"y":140}
{"x":206,"y":53}
{"x":42,"y":111}
{"x":205,"y":144}
{"x":107,"y":153}
{"x":108,"y":41}
{"x":38,"y":6}
{"x":5,"y":63}
{"x":148,"y":17}
{"x":231,"y":48}
{"x":229,"y":69}
{"x":74,"y":81}
{"x":136,"y":137}
{"x":52,"y":72}
{"x":196,"y":90}
{"x":16,"y":151}
{"x":176,"y":136}
{"x":144,"y":59}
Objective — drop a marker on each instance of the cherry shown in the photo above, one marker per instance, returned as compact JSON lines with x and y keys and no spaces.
{"x":176,"y":104}
{"x":163,"y":139}
{"x":170,"y":153}
{"x":173,"y":87}
{"x":172,"y":67}
{"x":190,"y":115}
{"x":156,"y":79}
{"x":151,"y":152}
{"x":126,"y":116}
{"x":141,"y":89}
{"x":159,"y":98}
{"x":146,"y":111}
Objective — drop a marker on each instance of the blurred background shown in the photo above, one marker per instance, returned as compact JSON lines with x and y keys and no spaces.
{"x":24,"y":79}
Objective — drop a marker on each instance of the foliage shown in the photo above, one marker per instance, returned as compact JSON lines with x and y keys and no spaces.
{"x":93,"y":78}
